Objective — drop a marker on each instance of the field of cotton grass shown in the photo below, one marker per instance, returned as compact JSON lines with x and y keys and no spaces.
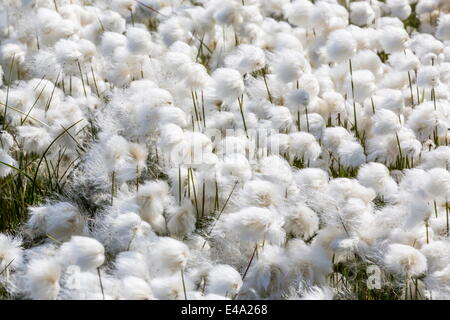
{"x":224,"y":149}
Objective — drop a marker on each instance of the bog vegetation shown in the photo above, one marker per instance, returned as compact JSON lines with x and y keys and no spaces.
{"x":224,"y":149}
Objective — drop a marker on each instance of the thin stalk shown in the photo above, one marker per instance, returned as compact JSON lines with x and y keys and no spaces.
{"x":203,"y":111}
{"x":35,"y":102}
{"x":101,"y":284}
{"x":250,"y":262}
{"x":6,"y":267}
{"x":95,"y":82}
{"x":101,"y":24}
{"x":189,"y":183}
{"x":446,"y":213}
{"x":433,"y":97}
{"x":216,"y":199}
{"x":7,"y":89}
{"x":137,"y":178}
{"x":179,"y":186}
{"x":184,"y":285}
{"x":220,"y":213}
{"x":195,"y":106}
{"x":241,"y":107}
{"x":132,"y":239}
{"x":82,"y":79}
{"x":435,"y":208}
{"x":353,"y":97}
{"x":195,"y":193}
{"x":406,"y":287}
{"x":307,"y":119}
{"x":53,"y":92}
{"x":416,"y":290}
{"x":267,"y":87}
{"x":113,"y":182}
{"x":203,"y":198}
{"x":417,"y":89}
{"x":398,"y":144}
{"x":132,"y":18}
{"x":38,"y":47}
{"x":410,"y":89}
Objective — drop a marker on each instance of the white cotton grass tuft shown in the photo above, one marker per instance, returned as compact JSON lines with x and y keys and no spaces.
{"x":280,"y":117}
{"x":361,"y":13}
{"x":437,"y":255}
{"x":318,"y":293}
{"x":60,"y":221}
{"x":289,"y":65}
{"x":405,"y":260}
{"x":247,"y":59}
{"x":228,"y":84}
{"x":224,"y":149}
{"x":11,"y":254}
{"x":87,"y":253}
{"x":6,"y":140}
{"x":223,"y":280}
{"x":261,"y":193}
{"x":299,"y":12}
{"x":438,"y":183}
{"x":298,"y":98}
{"x":42,"y":279}
{"x":312,"y":179}
{"x":131,"y":263}
{"x":361,"y":83}
{"x":181,"y":221}
{"x":442,"y":31}
{"x":399,"y":8}
{"x":197,"y":77}
{"x":301,"y":222}
{"x":133,"y":288}
{"x":428,"y":77}
{"x":340,"y":46}
{"x":151,"y":199}
{"x":393,"y":39}
{"x":385,"y":121}
{"x":125,"y":231}
{"x":138,"y":41}
{"x":376,"y":176}
{"x":266,"y":275}
{"x":303,"y":146}
{"x":170,"y":287}
{"x":254,"y":225}
{"x":7,"y":163}
{"x":171,"y":254}
{"x":351,"y":154}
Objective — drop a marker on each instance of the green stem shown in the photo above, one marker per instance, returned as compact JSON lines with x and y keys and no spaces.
{"x":241,"y":107}
{"x":250,"y":262}
{"x":353,"y":98}
{"x":184,"y":285}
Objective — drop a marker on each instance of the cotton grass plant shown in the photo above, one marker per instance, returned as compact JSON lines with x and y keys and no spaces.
{"x":224,"y":149}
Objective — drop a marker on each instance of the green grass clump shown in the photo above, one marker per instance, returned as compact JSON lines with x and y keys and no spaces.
{"x":34,"y":178}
